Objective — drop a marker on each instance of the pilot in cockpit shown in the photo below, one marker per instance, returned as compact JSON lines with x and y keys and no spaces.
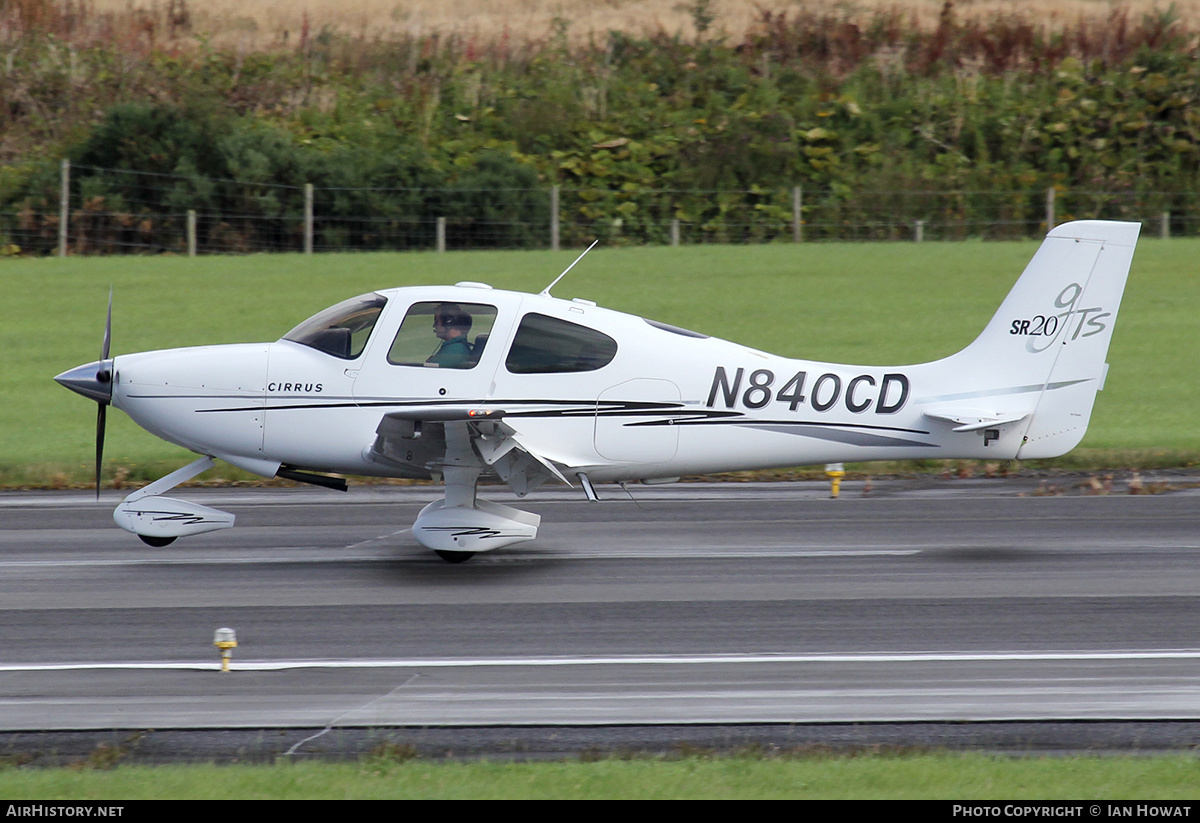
{"x":452,"y":326}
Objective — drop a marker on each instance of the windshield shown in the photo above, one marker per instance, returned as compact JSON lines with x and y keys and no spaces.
{"x":341,"y":330}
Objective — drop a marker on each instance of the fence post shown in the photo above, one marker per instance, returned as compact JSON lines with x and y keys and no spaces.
{"x":64,"y":204}
{"x":1050,"y":208}
{"x":191,"y":232}
{"x":308,"y":218}
{"x":674,"y":231}
{"x":441,"y":234}
{"x":1165,"y":228}
{"x":919,"y":231}
{"x":554,"y":228}
{"x":797,"y":224}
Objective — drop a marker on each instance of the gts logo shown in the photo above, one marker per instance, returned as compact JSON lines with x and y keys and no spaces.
{"x":1073,"y":322}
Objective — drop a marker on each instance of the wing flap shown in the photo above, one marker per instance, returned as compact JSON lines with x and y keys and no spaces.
{"x":414,"y":440}
{"x":499,"y":444}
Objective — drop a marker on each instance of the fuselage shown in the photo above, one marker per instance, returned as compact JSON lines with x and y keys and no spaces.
{"x":612,"y":393}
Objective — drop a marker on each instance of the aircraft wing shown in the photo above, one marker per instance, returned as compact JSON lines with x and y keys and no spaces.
{"x":444,"y":413}
{"x":415,"y":440}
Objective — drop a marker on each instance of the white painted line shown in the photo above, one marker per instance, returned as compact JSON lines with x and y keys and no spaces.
{"x":621,"y":660}
{"x":326,"y":556}
{"x":335,"y":555}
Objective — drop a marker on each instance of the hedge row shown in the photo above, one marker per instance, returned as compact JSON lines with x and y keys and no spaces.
{"x":439,"y":124}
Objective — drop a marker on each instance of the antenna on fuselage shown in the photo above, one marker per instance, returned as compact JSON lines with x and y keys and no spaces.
{"x":546,"y":291}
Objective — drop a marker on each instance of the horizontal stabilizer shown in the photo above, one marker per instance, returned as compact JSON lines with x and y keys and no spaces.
{"x":969,"y":420}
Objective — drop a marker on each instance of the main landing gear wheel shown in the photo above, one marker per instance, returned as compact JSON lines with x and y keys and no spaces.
{"x":449,"y":557}
{"x":156,"y":542}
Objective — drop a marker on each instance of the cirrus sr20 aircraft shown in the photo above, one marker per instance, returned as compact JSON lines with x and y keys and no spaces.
{"x":459,"y":382}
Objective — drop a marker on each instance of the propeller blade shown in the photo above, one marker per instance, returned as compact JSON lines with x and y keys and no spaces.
{"x":101,"y":418}
{"x":102,"y":409}
{"x":107,"y":328}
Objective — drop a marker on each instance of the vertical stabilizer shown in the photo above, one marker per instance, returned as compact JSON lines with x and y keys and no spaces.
{"x":1084,"y":313}
{"x":1048,"y":342}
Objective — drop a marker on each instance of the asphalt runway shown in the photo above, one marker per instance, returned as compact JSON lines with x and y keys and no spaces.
{"x":696,"y":609}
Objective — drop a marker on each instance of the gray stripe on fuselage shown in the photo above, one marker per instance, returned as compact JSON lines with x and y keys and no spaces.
{"x":853,"y":438}
{"x":942,"y":398}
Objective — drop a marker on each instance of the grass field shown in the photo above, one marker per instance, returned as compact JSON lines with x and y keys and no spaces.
{"x":863,"y":776}
{"x":879,"y":304}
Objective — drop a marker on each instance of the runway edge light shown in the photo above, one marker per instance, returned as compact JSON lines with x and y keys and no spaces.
{"x":835,"y":472}
{"x":226,"y":641}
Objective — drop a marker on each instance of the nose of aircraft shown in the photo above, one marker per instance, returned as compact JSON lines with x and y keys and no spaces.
{"x":93,"y":380}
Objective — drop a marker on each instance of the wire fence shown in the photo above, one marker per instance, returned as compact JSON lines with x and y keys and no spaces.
{"x":113,"y":211}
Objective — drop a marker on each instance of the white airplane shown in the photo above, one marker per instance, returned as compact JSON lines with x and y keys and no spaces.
{"x":459,"y":382}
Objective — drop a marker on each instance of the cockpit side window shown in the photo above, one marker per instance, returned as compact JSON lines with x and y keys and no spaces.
{"x":341,"y":330}
{"x":443,"y":335}
{"x":547,"y":345}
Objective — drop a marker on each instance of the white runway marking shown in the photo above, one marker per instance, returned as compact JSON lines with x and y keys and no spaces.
{"x":304,"y":555}
{"x":324,"y":556}
{"x":622,"y":660}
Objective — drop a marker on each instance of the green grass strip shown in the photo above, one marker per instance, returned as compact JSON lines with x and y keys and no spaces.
{"x":878,"y":304}
{"x":959,"y":777}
